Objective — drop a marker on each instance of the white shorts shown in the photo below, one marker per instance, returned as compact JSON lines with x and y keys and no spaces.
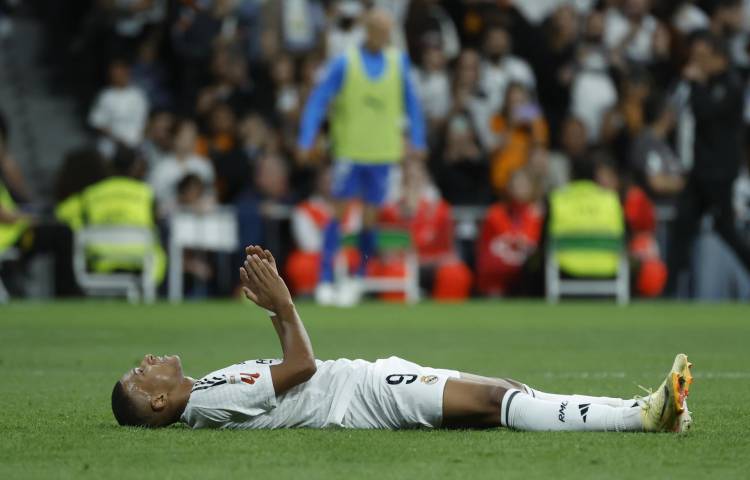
{"x":397,"y":394}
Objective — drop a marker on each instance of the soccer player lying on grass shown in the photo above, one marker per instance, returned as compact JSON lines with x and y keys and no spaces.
{"x":301,"y":391}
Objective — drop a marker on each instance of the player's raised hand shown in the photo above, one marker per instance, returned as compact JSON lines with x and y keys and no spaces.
{"x":263,"y":254}
{"x":264,"y":285}
{"x":249,"y":288}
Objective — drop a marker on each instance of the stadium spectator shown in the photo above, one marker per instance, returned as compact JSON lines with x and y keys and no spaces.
{"x":593,"y":91}
{"x":120,"y":111}
{"x":132,"y":19}
{"x":373,"y":91}
{"x":500,"y":68}
{"x":287,"y":102}
{"x":236,"y":169}
{"x":509,"y":236}
{"x":80,"y":169}
{"x":630,"y":31}
{"x":157,"y":139}
{"x":519,"y":129}
{"x":427,"y":217}
{"x":33,"y":237}
{"x":650,"y":273}
{"x":433,"y":85}
{"x":726,"y":19}
{"x":470,"y":98}
{"x":182,"y":160}
{"x":573,"y":146}
{"x":461,"y":162}
{"x":554,"y":63}
{"x":230,"y":85}
{"x":198,"y":30}
{"x":150,"y":75}
{"x":298,"y":24}
{"x":625,"y":121}
{"x":10,"y":172}
{"x":428,"y":19}
{"x":121,"y":199}
{"x":272,"y":178}
{"x":655,"y":165}
{"x":584,"y":208}
{"x":220,"y":132}
{"x":346,"y":30}
{"x":688,"y":17}
{"x":191,"y":197}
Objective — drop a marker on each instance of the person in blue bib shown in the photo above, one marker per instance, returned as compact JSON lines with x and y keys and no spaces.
{"x":370,"y":95}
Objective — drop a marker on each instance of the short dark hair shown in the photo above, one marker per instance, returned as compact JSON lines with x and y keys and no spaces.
{"x":713,"y":41}
{"x":124,"y":160}
{"x":124,"y":408}
{"x":583,"y":168}
{"x":188,"y":181}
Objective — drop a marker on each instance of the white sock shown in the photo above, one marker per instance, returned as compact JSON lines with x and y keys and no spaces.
{"x":555,"y":397}
{"x":521,"y":411}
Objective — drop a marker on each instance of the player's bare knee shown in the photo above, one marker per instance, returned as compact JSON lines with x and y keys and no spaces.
{"x":491,"y":399}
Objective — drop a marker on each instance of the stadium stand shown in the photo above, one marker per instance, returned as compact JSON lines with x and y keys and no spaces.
{"x":211,"y":92}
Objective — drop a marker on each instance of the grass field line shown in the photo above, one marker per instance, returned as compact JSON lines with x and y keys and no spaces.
{"x":604,"y":375}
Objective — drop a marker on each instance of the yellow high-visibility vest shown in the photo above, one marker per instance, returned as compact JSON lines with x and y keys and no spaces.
{"x":9,"y":232}
{"x":587,"y":228}
{"x":367,"y":120}
{"x":119,"y":202}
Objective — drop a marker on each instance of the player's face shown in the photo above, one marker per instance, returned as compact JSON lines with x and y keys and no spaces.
{"x":154,"y":375}
{"x":378,"y":31}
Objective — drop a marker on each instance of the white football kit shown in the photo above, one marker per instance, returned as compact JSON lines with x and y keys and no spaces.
{"x":389,"y":393}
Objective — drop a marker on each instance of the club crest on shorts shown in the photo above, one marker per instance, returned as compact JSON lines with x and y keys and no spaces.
{"x":428,"y":379}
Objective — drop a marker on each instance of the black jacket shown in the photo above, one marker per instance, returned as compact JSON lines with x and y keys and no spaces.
{"x":718,"y":109}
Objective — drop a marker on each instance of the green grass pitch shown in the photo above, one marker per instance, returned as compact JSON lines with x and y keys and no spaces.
{"x":59,"y":362}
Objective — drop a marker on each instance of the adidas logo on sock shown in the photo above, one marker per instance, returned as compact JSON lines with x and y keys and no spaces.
{"x":584,"y":409}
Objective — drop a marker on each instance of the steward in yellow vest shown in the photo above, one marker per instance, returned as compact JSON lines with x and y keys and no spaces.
{"x":117,"y":201}
{"x":587,"y":228}
{"x":31,"y":237}
{"x":12,"y":223}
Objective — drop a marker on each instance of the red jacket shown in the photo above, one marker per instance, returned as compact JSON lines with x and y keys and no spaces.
{"x":510,"y":234}
{"x":431,"y":226}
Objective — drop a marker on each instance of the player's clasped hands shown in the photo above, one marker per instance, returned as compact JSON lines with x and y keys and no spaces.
{"x":261,"y":282}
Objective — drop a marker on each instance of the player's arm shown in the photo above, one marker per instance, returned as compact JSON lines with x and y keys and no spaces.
{"x":317,"y":103}
{"x":417,"y":135}
{"x":263,"y":285}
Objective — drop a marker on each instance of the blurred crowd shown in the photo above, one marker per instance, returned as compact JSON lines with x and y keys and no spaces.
{"x":208,"y":95}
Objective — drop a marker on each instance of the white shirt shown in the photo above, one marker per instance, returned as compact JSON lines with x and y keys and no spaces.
{"x":339,"y":41}
{"x":617,"y":27}
{"x":494,"y":78}
{"x":434,"y":91}
{"x":167,"y":174}
{"x":690,"y":18}
{"x":592,"y":94}
{"x":242,"y":396}
{"x":122,"y":112}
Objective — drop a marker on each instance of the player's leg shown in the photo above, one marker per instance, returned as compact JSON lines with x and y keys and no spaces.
{"x":368,"y":236}
{"x":469,"y":404}
{"x":344,"y":186}
{"x":376,"y":181}
{"x":552,"y":397}
{"x":373,"y":183}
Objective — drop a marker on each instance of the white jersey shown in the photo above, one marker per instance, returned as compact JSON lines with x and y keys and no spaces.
{"x":390,"y":393}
